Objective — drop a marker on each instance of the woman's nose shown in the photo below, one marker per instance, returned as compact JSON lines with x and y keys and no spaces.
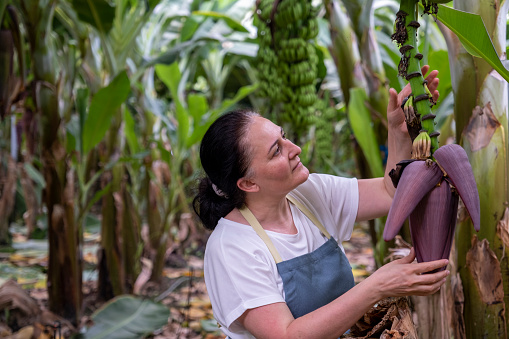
{"x":294,"y":150}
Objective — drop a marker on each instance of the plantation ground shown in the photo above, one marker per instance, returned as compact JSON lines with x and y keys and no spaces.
{"x":182,"y":289}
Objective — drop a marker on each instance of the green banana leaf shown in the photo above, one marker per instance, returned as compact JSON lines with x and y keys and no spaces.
{"x":98,"y":13}
{"x":233,"y":24}
{"x":104,"y":104}
{"x":34,"y":174}
{"x":472,"y":33}
{"x":198,"y":106}
{"x":127,"y":317}
{"x":130,"y":133}
{"x":361,"y":122}
{"x":168,"y":57}
{"x":76,"y":128}
{"x":171,"y":76}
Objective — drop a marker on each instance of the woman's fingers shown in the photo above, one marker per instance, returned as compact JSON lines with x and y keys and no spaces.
{"x":430,"y":289}
{"x":409,"y":258}
{"x":393,"y":100}
{"x":429,"y":266}
{"x":424,"y":69}
{"x":433,"y":278}
{"x":432,"y":80}
{"x":430,"y":283}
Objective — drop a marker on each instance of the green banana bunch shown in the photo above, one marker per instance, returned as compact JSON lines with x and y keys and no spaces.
{"x":287,"y":58}
{"x":323,"y":119}
{"x":429,"y":185}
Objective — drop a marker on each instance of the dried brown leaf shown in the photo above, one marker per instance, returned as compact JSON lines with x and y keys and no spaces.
{"x":481,"y":127}
{"x":458,"y":321}
{"x":484,"y":266}
{"x":26,"y":332}
{"x":503,"y":228}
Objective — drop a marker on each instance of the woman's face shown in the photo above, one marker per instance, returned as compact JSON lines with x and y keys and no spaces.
{"x":275,"y":164}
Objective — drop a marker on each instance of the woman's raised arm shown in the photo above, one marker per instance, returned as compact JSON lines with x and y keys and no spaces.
{"x":375,"y":195}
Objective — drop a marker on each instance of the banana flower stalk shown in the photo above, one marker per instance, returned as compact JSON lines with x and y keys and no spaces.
{"x":427,"y":192}
{"x":429,"y":185}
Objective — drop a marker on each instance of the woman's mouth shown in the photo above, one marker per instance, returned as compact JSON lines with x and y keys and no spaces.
{"x":299,"y":164}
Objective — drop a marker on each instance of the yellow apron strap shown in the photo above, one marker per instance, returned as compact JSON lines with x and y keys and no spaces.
{"x":251,"y":219}
{"x":308,"y":214}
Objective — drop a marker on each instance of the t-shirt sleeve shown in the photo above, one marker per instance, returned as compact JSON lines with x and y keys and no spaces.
{"x":239,"y":276}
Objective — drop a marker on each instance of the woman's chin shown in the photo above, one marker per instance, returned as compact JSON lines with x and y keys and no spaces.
{"x":303,"y":170}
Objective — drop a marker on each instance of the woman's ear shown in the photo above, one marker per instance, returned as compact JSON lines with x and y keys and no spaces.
{"x":247,"y":185}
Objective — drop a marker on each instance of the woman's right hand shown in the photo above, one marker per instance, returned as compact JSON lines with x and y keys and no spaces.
{"x":402,"y":277}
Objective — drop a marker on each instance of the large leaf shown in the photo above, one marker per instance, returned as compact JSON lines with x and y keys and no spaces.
{"x":473,"y":35}
{"x":168,"y":57}
{"x":127,"y":317}
{"x":171,"y":76}
{"x":361,"y":122}
{"x":130,"y":133}
{"x":233,"y":24}
{"x":198,"y":106}
{"x":102,"y":108}
{"x":34,"y":174}
{"x":190,"y":26}
{"x":98,"y":13}
{"x":81,"y":108}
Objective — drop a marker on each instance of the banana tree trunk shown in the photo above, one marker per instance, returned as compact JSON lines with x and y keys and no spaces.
{"x":7,"y":194}
{"x":481,"y":109}
{"x":120,"y":228}
{"x":65,"y":264}
{"x":111,"y":267}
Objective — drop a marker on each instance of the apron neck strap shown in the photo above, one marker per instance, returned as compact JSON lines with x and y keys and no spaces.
{"x":308,"y":214}
{"x":251,"y":219}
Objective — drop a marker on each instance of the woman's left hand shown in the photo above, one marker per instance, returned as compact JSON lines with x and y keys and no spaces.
{"x":395,"y":116}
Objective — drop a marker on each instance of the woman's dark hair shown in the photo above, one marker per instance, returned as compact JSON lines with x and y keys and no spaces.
{"x":224,"y":157}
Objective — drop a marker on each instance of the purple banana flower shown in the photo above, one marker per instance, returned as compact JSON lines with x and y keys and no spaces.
{"x":427,"y":192}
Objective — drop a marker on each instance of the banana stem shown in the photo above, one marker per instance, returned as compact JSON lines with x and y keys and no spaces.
{"x":410,"y":68}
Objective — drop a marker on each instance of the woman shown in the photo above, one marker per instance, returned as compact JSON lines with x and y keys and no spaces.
{"x":274,"y":265}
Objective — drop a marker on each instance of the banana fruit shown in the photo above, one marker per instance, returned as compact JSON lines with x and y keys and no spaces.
{"x":287,"y":58}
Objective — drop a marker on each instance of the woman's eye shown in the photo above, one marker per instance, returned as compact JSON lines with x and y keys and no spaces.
{"x":284,"y":135}
{"x":278,"y":150}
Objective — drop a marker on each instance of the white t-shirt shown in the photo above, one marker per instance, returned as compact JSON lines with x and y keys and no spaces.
{"x":240,"y":272}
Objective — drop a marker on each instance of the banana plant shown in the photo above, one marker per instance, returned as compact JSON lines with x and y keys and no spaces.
{"x":7,"y":168}
{"x":481,"y":110}
{"x":48,"y":97}
{"x":208,"y":53}
{"x":194,"y":116}
{"x":474,"y":258}
{"x":434,"y":166}
{"x":116,"y":26}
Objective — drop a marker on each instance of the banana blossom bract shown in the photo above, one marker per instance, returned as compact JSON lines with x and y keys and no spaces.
{"x":427,"y":192}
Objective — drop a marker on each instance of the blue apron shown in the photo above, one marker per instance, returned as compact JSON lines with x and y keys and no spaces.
{"x":312,"y":280}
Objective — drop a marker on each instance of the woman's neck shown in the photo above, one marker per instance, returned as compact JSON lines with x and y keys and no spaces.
{"x":273,"y":214}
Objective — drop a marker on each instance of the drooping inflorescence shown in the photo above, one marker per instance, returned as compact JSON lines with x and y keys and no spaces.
{"x":429,"y":185}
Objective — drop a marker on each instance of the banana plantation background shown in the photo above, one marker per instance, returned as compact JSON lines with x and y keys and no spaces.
{"x":103,"y":105}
